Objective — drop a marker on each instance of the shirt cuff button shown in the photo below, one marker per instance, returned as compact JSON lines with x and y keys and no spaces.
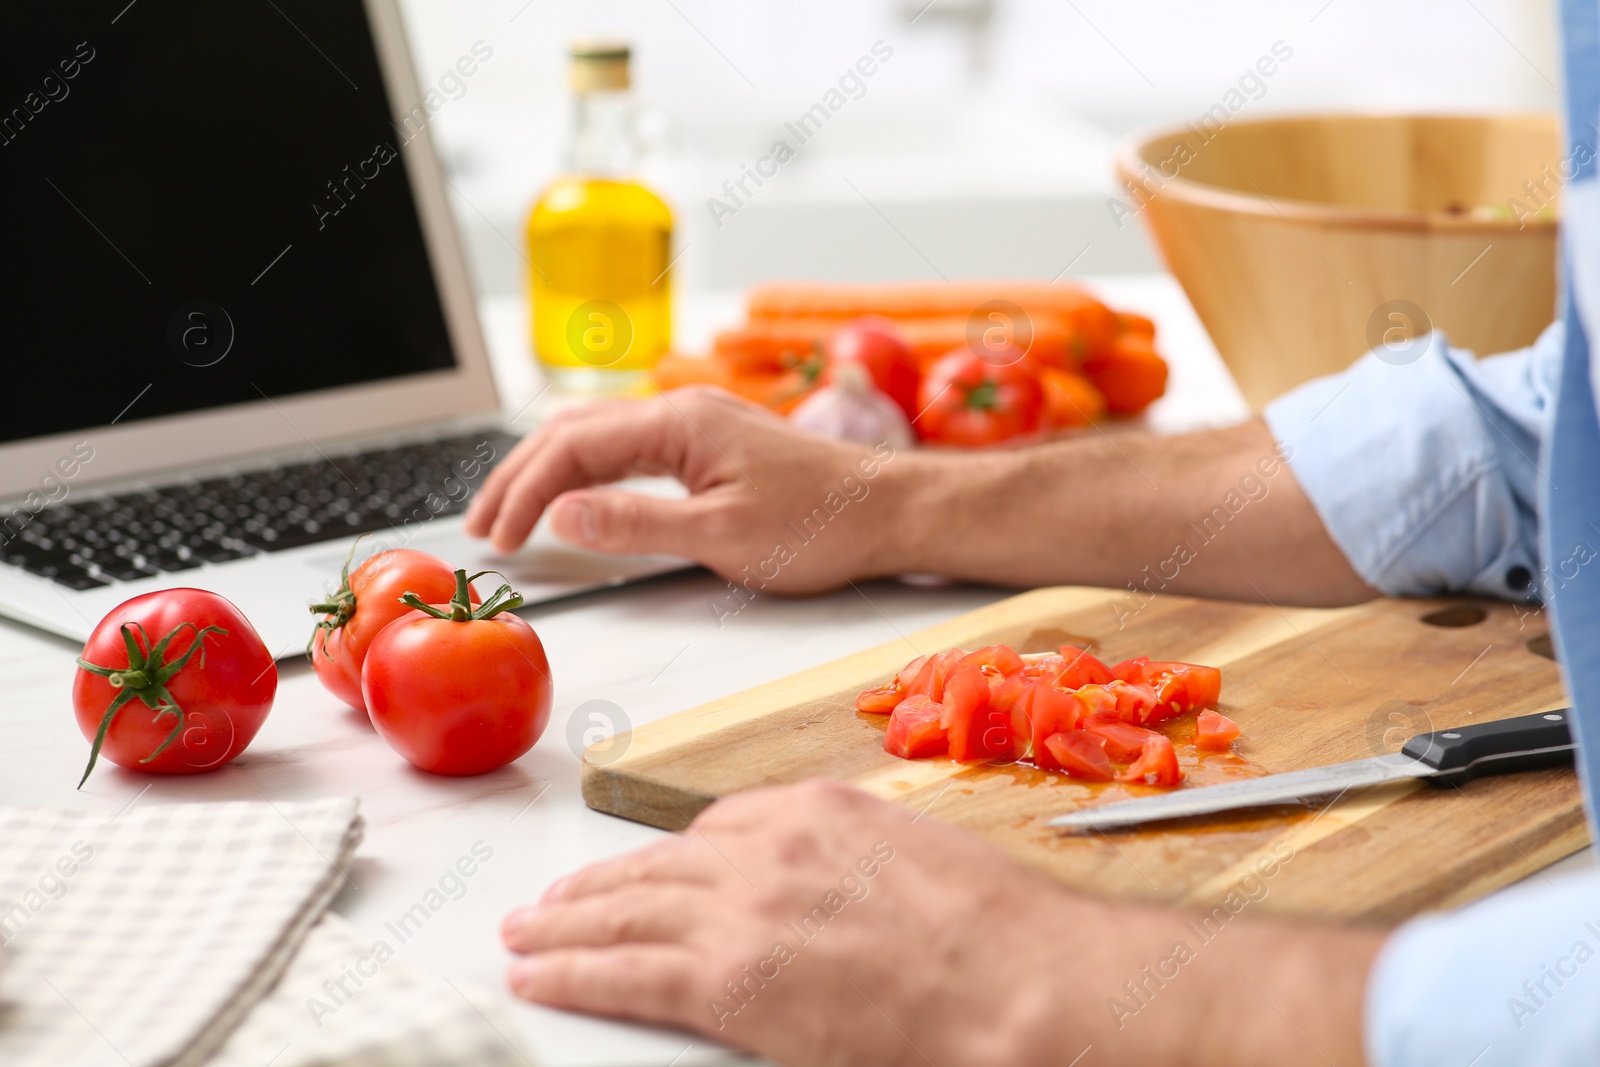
{"x":1519,"y":578}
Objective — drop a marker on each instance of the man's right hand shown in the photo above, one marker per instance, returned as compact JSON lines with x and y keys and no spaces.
{"x":803,"y":513}
{"x":1214,"y":513}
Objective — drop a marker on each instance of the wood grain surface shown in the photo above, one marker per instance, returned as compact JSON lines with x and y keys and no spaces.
{"x":1308,"y":686}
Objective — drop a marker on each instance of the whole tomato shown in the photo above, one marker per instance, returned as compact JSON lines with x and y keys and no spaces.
{"x":874,"y":343}
{"x":974,"y":401}
{"x":458,"y":689}
{"x":176,"y":681}
{"x":368,"y":600}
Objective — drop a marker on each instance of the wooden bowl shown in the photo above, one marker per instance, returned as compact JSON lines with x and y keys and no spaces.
{"x":1303,"y":242}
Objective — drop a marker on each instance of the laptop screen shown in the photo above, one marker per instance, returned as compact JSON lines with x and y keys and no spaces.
{"x":202,"y":204}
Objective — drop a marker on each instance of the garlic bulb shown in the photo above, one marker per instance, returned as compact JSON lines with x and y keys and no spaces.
{"x":852,"y":409}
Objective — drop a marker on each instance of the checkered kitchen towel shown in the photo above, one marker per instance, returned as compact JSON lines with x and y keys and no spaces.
{"x":197,"y":934}
{"x":144,"y":938}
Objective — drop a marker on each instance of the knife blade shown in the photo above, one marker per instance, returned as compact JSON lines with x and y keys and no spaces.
{"x":1443,"y":757}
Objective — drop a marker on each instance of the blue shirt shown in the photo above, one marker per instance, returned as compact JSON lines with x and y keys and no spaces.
{"x":1490,"y":484}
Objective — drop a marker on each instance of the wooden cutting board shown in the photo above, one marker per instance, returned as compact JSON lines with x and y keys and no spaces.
{"x":1308,"y":686}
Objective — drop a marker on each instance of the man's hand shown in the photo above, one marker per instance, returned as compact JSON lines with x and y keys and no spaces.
{"x":755,"y":482}
{"x":1215,"y":513}
{"x":814,"y":924}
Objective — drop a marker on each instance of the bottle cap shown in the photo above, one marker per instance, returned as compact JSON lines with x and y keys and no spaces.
{"x":598,"y":64}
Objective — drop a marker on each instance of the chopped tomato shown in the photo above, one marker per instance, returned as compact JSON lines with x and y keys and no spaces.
{"x":1000,"y":657}
{"x":1096,"y":700}
{"x":1050,"y":711}
{"x":1137,"y":704}
{"x":1214,"y":730}
{"x":977,"y":731}
{"x":1157,"y":764}
{"x":1082,"y":669}
{"x":1122,"y":741}
{"x":1066,"y":712}
{"x":879,"y":700}
{"x":1005,"y":695}
{"x":930,"y":679}
{"x":1189,"y":685}
{"x":908,"y":674}
{"x":1080,"y":755}
{"x":1049,"y":667}
{"x":915,"y":729}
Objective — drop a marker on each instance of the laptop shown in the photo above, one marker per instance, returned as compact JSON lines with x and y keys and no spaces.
{"x":239,"y":329}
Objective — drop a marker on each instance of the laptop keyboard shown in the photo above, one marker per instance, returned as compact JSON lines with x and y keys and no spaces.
{"x":177,"y":527}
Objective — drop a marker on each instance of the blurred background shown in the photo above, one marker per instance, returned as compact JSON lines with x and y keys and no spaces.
{"x":980,"y":148}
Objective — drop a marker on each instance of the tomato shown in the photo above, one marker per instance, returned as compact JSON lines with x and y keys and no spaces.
{"x":1050,"y":711}
{"x":930,"y":678}
{"x":1190,"y":685}
{"x":1082,"y":669}
{"x":367,"y":601}
{"x":1135,"y":703}
{"x":1214,"y":730}
{"x":977,"y":730}
{"x":176,"y":682}
{"x":915,"y":729}
{"x":1157,"y":764}
{"x":1000,"y":657}
{"x":1178,"y":686}
{"x":967,"y":400}
{"x":1080,"y":755}
{"x":1122,"y":741}
{"x":874,"y":344}
{"x":458,"y":689}
{"x":880,"y":700}
{"x":908,"y":674}
{"x":1096,"y":700}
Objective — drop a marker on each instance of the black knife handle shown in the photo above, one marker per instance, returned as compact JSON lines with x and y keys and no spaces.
{"x":1525,"y":743}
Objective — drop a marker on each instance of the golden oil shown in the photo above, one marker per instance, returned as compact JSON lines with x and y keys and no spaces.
{"x":600,"y":243}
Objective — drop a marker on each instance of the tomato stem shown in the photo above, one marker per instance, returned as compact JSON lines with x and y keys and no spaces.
{"x":984,"y":396}
{"x":145,"y":678}
{"x":338,"y":608}
{"x":461,"y":608}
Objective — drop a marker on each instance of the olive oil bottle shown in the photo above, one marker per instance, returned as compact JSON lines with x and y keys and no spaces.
{"x":599,"y":242}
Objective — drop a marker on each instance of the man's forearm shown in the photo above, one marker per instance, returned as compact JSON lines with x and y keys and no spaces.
{"x":1214,"y":513}
{"x":1143,"y":988}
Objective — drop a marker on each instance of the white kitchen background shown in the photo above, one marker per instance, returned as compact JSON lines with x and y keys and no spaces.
{"x":981,"y":148}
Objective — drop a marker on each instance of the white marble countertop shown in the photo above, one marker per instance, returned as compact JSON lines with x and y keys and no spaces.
{"x":650,"y":650}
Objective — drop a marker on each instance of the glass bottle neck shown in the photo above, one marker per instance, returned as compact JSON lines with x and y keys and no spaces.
{"x":601,"y":140}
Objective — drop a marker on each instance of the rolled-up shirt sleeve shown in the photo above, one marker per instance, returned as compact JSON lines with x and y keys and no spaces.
{"x":1423,"y":464}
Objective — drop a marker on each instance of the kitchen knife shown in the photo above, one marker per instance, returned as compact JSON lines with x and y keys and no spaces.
{"x":1444,"y":757}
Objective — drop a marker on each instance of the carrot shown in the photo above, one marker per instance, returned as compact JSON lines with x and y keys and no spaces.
{"x":781,"y":392}
{"x":1129,"y":373}
{"x":907,"y":300}
{"x":1129,"y":322}
{"x":1070,"y":399}
{"x":771,"y":345}
{"x":675,"y":370}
